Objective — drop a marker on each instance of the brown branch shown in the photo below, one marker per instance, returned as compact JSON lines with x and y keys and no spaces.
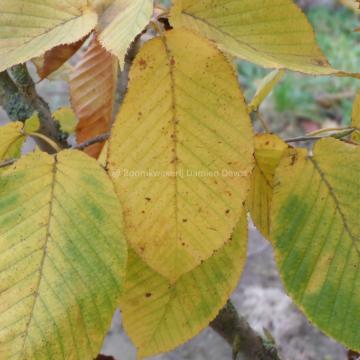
{"x":12,"y":101}
{"x":353,"y":355}
{"x":48,"y":126}
{"x":241,"y":337}
{"x":82,"y":146}
{"x":7,"y":163}
{"x":92,"y":141}
{"x":104,"y":357}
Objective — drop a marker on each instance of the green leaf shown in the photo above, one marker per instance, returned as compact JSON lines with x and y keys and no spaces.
{"x":181,"y":152}
{"x":270,"y":33}
{"x":32,"y":124}
{"x":62,"y":257}
{"x":67,"y":119}
{"x":159,"y":315}
{"x":316,"y":231}
{"x":11,"y":140}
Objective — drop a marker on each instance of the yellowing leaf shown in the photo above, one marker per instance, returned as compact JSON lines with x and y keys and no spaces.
{"x":159,"y":315}
{"x":55,"y":58}
{"x":181,"y":152}
{"x":29,"y":28}
{"x":92,"y":89}
{"x":271,"y":33}
{"x":265,"y":87}
{"x":268,"y":152}
{"x":32,"y":124}
{"x":62,"y":257}
{"x":316,"y":232}
{"x":102,"y":159}
{"x":11,"y":140}
{"x":131,"y":18}
{"x":355,"y":121}
{"x":67,"y":119}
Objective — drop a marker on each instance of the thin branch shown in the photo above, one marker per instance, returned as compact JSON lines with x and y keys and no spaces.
{"x":262,"y":121}
{"x":7,"y":163}
{"x":82,"y":146}
{"x":304,"y":138}
{"x":241,"y":337}
{"x":92,"y":141}
{"x":48,"y":126}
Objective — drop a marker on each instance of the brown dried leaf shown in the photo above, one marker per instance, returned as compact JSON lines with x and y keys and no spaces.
{"x":92,"y":89}
{"x":53,"y":59}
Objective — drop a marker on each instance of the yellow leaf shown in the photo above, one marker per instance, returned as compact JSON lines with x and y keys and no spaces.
{"x":268,"y":152}
{"x":66,"y":118}
{"x":316,"y":231}
{"x":92,"y":89}
{"x":62,"y":256}
{"x":131,"y":18}
{"x":102,"y":159}
{"x":159,"y":315}
{"x":180,"y":154}
{"x":265,"y":87}
{"x":11,"y":140}
{"x":32,"y":124}
{"x":29,"y":28}
{"x":271,"y":33}
{"x":355,"y":121}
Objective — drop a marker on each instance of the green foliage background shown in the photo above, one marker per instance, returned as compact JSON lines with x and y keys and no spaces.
{"x":295,"y":96}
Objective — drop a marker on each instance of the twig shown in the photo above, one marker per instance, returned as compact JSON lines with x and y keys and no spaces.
{"x":48,"y":126}
{"x":82,"y":146}
{"x":7,"y":163}
{"x":262,"y":121}
{"x":304,"y":138}
{"x":104,"y":357}
{"x":241,"y":337}
{"x":92,"y":141}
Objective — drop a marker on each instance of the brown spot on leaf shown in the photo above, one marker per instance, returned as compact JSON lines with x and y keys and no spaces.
{"x":142,"y":64}
{"x":293,"y":159}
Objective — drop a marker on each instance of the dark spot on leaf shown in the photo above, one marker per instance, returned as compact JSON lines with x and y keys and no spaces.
{"x":148,"y":199}
{"x":293,"y":159}
{"x":148,"y":295}
{"x":142,"y":64}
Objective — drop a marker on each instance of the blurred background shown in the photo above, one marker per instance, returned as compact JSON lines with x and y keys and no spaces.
{"x":298,"y":104}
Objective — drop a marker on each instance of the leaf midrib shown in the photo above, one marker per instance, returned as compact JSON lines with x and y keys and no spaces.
{"x":43,"y":259}
{"x":175,"y":159}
